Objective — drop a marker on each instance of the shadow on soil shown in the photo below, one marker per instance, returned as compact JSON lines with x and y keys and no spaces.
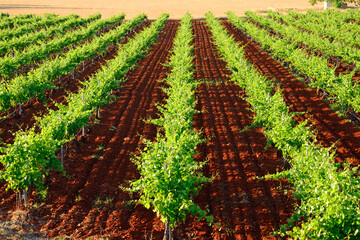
{"x":17,"y":227}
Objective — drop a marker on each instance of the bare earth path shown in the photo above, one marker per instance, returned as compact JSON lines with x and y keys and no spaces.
{"x":330,"y":127}
{"x":246,"y":208}
{"x":88,"y":202}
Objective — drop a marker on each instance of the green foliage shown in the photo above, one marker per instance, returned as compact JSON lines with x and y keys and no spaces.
{"x":342,"y":38}
{"x":17,"y":20}
{"x":341,"y":87}
{"x":329,"y":197}
{"x":29,"y":159}
{"x":18,"y":43}
{"x":36,"y":82}
{"x":169,"y":175}
{"x":37,"y":52}
{"x":26,"y":25}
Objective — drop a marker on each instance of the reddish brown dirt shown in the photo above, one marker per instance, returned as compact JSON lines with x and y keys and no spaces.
{"x":245,"y":207}
{"x":89,"y":202}
{"x":39,"y":108}
{"x":330,"y":127}
{"x":66,"y":85}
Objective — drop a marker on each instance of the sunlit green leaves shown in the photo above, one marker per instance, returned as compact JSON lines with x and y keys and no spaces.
{"x":329,"y":197}
{"x":35,"y":83}
{"x":29,"y":159}
{"x":35,"y":52}
{"x":169,"y":175}
{"x":341,"y":88}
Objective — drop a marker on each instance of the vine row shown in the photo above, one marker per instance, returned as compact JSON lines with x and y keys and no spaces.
{"x":312,"y":41}
{"x":35,"y":53}
{"x":48,"y":20}
{"x":26,"y":87}
{"x":18,"y":43}
{"x":329,"y":197}
{"x":32,"y":155}
{"x":169,"y":176}
{"x":315,"y":69}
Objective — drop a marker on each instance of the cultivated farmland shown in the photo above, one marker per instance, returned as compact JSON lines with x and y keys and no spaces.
{"x":244,"y":128}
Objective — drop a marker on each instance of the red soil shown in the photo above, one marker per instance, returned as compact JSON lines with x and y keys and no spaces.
{"x":245,"y":207}
{"x":88,"y":202}
{"x":330,"y":127}
{"x":80,"y":209}
{"x":67,"y":84}
{"x":36,"y":107}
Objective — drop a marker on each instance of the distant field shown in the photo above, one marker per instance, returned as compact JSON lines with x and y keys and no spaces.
{"x":153,"y":9}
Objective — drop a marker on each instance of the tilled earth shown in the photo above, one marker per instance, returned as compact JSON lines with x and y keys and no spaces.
{"x":88,"y":201}
{"x":330,"y":127}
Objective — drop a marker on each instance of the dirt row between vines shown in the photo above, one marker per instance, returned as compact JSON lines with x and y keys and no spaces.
{"x":330,"y":128}
{"x":246,"y":208}
{"x":37,"y":108}
{"x":65,"y":86}
{"x":40,"y":108}
{"x":92,"y":203}
{"x":88,"y":201}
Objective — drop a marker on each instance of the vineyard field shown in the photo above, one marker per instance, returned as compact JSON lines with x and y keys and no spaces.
{"x":267,"y":140}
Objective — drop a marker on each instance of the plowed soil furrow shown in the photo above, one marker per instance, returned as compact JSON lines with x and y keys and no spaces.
{"x":330,"y":127}
{"x":207,"y":65}
{"x":89,"y":201}
{"x":67,"y":85}
{"x":39,"y":108}
{"x":246,"y":208}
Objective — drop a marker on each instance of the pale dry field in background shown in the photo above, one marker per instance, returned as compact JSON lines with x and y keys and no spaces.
{"x":153,"y":8}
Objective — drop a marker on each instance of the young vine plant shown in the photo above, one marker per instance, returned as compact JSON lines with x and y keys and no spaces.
{"x":26,"y":87}
{"x":169,"y":175}
{"x":329,"y":196}
{"x":32,"y":155}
